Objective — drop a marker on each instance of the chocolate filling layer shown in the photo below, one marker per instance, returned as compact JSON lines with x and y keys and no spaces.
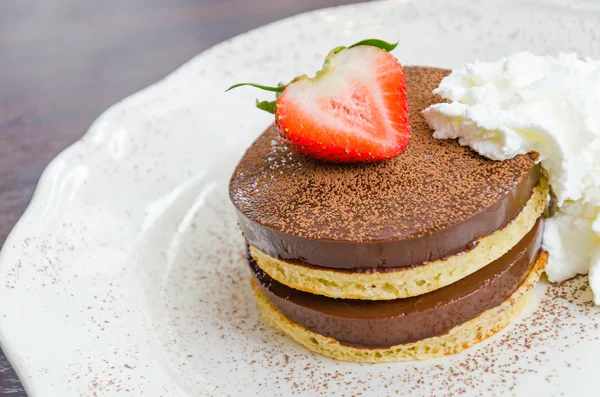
{"x":383,"y":324}
{"x":394,"y":253}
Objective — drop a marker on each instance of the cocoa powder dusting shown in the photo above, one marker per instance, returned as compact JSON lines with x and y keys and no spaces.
{"x":432,"y":185}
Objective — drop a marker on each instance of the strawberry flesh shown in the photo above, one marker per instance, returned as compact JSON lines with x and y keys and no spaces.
{"x":354,"y":110}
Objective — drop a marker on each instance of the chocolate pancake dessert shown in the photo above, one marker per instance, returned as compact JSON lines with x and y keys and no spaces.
{"x":370,"y":240}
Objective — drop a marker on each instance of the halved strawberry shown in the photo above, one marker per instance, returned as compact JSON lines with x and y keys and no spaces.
{"x":354,"y":110}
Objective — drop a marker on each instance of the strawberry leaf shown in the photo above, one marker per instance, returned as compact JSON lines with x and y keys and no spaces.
{"x":279,"y":88}
{"x":384,"y":45}
{"x":266,"y":106}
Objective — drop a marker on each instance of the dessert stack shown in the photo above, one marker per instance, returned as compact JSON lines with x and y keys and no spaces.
{"x":369,"y":240}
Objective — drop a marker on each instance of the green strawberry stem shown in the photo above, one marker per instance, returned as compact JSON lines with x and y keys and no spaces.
{"x":270,"y":106}
{"x":279,"y":88}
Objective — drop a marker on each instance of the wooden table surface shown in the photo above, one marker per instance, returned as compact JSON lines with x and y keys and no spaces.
{"x":62,"y":62}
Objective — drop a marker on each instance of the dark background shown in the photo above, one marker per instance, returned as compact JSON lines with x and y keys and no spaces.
{"x":62,"y":62}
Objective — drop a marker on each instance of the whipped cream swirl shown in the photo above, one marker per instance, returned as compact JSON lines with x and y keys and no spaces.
{"x":550,"y":105}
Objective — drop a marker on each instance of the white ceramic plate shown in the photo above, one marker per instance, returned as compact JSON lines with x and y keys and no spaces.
{"x":126,"y":274}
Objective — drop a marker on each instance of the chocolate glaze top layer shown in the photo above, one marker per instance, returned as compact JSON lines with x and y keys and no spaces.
{"x":388,"y":323}
{"x":286,"y":201}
